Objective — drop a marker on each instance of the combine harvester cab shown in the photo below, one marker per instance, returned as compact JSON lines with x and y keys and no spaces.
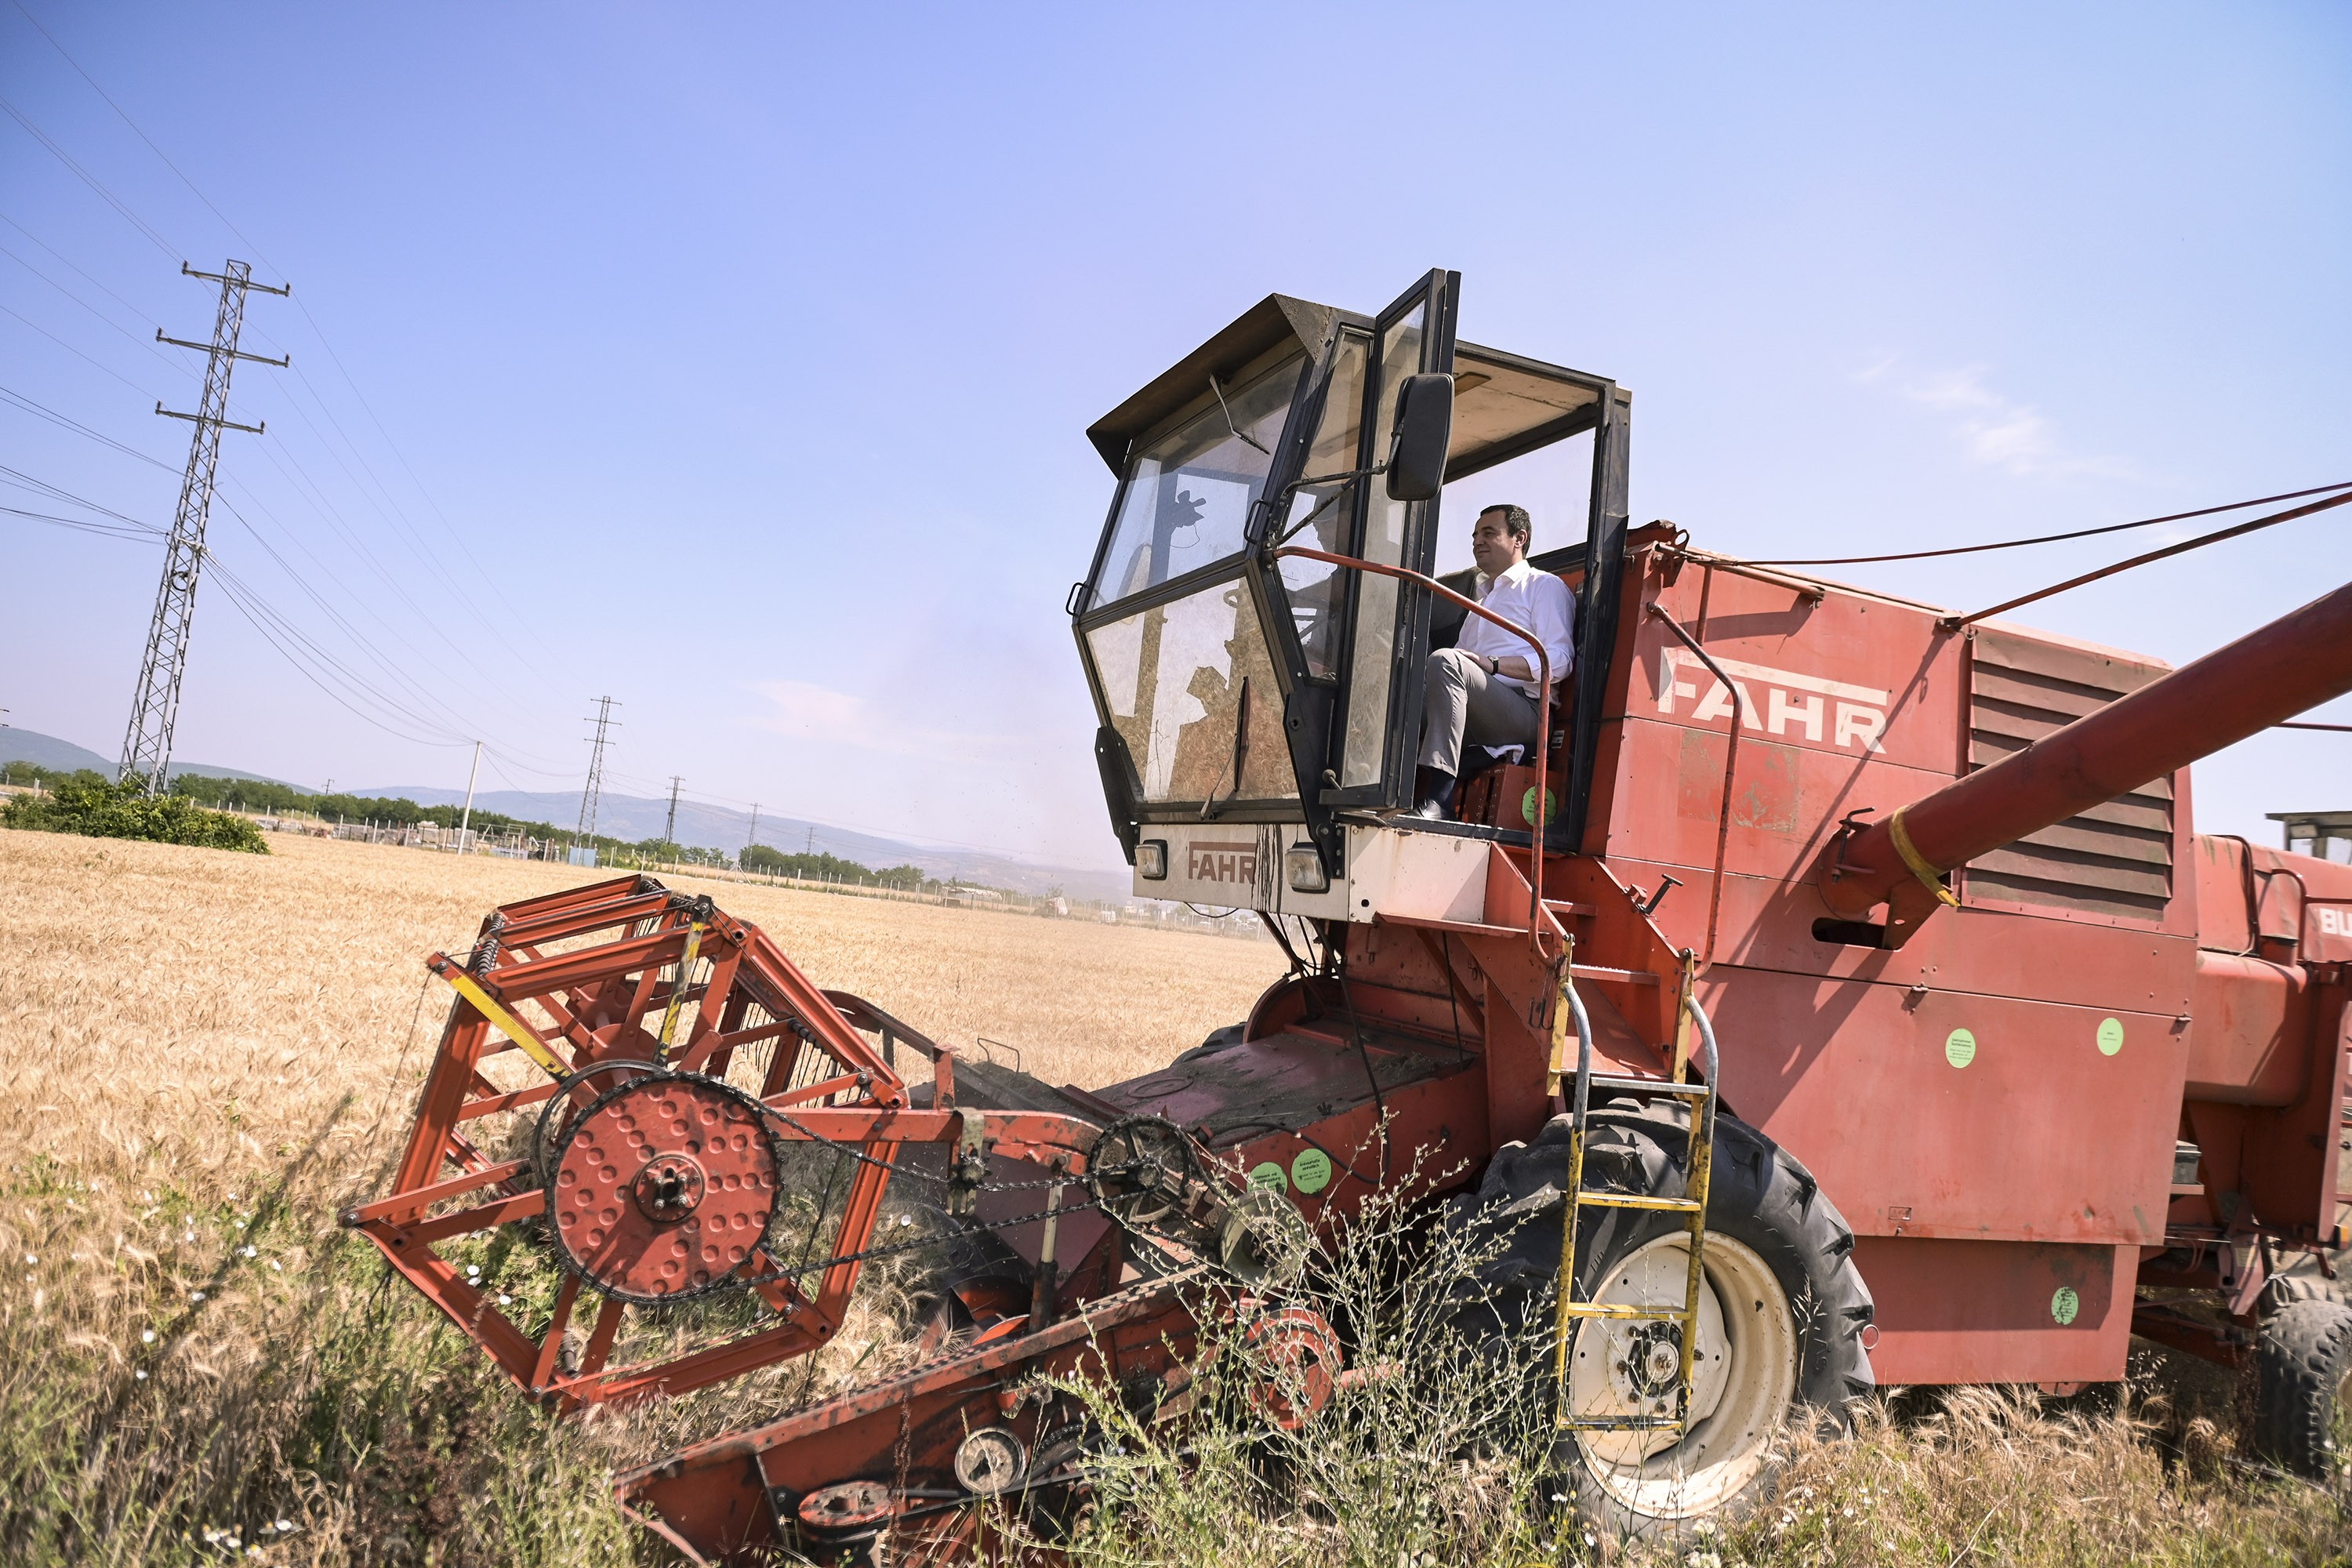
{"x":1841,"y":985}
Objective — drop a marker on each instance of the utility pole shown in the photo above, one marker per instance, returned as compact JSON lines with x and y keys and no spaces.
{"x":467,"y":821}
{"x":670,"y":828}
{"x":755,"y":826}
{"x":589,"y":796}
{"x":156,"y":707}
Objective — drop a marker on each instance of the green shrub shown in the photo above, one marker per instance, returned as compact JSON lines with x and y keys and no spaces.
{"x":104,"y":810}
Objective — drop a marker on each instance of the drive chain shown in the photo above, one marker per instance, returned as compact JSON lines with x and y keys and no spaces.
{"x":888,"y":1249}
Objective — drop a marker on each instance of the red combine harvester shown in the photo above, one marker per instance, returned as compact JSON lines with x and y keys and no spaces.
{"x":2013,"y":1064}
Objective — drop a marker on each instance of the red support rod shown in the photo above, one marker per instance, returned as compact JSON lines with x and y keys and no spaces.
{"x":2270,"y":674}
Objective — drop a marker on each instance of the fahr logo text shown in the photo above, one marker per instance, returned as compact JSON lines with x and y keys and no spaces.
{"x":1781,"y":701}
{"x":1205,"y":862}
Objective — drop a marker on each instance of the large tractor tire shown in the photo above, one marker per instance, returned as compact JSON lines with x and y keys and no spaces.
{"x":2302,"y":1388}
{"x":1217,"y":1040}
{"x":1781,"y":1317}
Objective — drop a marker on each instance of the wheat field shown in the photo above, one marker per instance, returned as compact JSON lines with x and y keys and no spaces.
{"x":212,"y":1052}
{"x":208,"y":1054}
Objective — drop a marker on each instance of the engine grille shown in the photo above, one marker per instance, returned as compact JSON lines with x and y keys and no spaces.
{"x":2117,"y":858}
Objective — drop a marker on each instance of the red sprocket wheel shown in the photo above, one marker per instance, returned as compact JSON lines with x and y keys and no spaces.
{"x":662,"y":1189}
{"x":1299,"y":1360}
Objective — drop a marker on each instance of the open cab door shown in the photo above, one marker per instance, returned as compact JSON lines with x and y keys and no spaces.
{"x":1351,"y":640}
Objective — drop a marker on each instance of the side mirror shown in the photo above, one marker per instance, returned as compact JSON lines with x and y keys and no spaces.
{"x":1424,"y":428}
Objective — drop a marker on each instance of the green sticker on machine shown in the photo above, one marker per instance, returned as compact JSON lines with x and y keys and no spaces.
{"x":1270,"y":1177}
{"x":1527,"y":806}
{"x":2064,"y":1305}
{"x":2111,"y":1036}
{"x":1311,"y":1172}
{"x":1959,"y":1047}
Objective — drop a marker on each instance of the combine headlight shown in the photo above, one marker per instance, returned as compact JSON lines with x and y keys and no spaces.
{"x":1303,"y":864}
{"x":1151,"y":860}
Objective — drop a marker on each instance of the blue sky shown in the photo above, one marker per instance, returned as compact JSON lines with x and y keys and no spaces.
{"x":735,"y":362}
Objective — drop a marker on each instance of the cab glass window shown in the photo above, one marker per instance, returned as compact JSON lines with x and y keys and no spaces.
{"x":1320,"y":515}
{"x":1376,"y":603}
{"x":1186,"y":680}
{"x":1187,"y":497}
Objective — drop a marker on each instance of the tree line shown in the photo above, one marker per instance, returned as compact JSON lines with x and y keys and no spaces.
{"x":823,"y":868}
{"x":266,"y":797}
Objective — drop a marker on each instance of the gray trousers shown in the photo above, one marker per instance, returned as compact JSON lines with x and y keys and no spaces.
{"x":1461,"y":702}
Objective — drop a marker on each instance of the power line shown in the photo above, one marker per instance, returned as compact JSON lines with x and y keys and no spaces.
{"x":135,"y":131}
{"x":397,"y":517}
{"x":25,"y":481}
{"x":297,"y":648}
{"x":1953,"y":623}
{"x":2051,"y":538}
{"x":79,"y":353}
{"x":143,"y":531}
{"x":274,"y":627}
{"x":85,"y":177}
{"x":431,"y":700}
{"x":156,"y":706}
{"x":43,"y":411}
{"x":86,"y":305}
{"x":86,"y":277}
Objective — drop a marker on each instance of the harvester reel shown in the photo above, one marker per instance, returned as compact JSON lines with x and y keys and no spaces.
{"x":663,"y":1188}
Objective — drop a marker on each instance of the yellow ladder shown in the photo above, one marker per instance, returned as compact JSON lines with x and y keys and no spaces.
{"x":1693,"y":1208}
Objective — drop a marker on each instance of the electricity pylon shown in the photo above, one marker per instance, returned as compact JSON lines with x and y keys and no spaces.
{"x":589,"y":796}
{"x":147,"y":744}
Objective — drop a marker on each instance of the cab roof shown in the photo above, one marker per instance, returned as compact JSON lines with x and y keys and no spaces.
{"x":1503,"y":403}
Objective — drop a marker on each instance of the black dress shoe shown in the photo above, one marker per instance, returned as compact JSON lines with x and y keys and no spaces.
{"x":1435,"y":792}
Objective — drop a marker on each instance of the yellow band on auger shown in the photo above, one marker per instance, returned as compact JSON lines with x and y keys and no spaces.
{"x":506,"y":1023}
{"x":1916,"y":861}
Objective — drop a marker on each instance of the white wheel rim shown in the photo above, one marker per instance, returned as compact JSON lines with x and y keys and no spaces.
{"x":1743,"y":1378}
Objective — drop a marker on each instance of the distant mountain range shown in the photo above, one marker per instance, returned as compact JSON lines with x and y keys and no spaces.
{"x":48,"y":751}
{"x":633,"y":817}
{"x":721,"y":828}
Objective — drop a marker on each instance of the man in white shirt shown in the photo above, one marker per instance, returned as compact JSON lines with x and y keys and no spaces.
{"x":1481,"y":690}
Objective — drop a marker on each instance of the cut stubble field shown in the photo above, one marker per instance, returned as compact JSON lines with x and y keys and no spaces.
{"x":208,"y":1054}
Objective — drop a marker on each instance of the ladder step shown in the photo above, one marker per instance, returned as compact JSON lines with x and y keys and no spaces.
{"x":1612,"y":1309}
{"x":1622,"y":976}
{"x":1646,"y":1085}
{"x":1636,"y":1201}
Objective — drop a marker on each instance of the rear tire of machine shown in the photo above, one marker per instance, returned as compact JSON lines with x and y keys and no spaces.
{"x":1217,"y":1040}
{"x":2302,"y":1388}
{"x":1759,"y":1197}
